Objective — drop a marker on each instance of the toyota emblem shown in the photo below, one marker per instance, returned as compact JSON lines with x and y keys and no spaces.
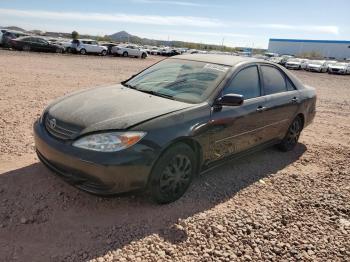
{"x":52,"y":123}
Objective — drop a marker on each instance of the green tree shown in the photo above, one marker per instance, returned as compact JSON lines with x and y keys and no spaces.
{"x":75,"y":35}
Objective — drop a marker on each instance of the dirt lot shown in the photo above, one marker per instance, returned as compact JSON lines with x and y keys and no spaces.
{"x":268,"y":206}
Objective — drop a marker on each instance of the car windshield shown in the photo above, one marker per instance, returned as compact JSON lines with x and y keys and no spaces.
{"x":183,"y":80}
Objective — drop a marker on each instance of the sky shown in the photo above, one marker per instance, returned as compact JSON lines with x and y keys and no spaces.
{"x":232,"y":22}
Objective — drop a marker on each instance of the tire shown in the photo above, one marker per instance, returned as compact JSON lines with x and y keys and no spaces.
{"x":104,"y":52}
{"x":291,"y":138}
{"x":125,"y":54}
{"x":143,"y":56}
{"x":69,"y":50}
{"x":59,"y":50}
{"x":172,"y":174}
{"x":83,"y":51}
{"x":26,"y":48}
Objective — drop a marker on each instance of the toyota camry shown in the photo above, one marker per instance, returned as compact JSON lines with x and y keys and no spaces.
{"x":160,"y":128}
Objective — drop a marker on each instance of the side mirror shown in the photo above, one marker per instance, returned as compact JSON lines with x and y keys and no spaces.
{"x":230,"y":100}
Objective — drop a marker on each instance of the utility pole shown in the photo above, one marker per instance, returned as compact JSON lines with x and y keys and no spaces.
{"x":222,"y":43}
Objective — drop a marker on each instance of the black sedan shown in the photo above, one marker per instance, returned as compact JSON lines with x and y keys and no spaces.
{"x":163,"y":126}
{"x":38,"y":44}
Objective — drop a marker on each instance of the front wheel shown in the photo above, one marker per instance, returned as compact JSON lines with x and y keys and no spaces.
{"x":172,"y":174}
{"x":291,"y":138}
{"x":125,"y":54}
{"x":143,"y":56}
{"x":104,"y":52}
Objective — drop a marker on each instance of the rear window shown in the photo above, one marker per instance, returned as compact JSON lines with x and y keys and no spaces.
{"x":274,"y":81}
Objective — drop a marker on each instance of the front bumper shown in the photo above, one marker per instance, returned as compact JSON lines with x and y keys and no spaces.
{"x":95,"y":172}
{"x":339,"y":71}
{"x":292,"y":66}
{"x":315,"y":69}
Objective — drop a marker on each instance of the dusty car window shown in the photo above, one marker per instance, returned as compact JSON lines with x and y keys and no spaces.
{"x":274,"y":81}
{"x":245,"y":83}
{"x":188,"y":81}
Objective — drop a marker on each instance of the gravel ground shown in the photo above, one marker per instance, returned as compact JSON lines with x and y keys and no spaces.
{"x":268,"y":206}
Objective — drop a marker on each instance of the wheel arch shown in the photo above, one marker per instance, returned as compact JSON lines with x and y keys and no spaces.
{"x":189,"y":141}
{"x":302,"y":117}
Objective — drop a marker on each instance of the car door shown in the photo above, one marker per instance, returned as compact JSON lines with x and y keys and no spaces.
{"x":43,"y":45}
{"x":95,"y":47}
{"x":133,"y":51}
{"x":282,"y":100}
{"x":237,"y":128}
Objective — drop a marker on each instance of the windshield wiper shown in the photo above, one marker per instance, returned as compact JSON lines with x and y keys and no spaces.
{"x":156,"y":94}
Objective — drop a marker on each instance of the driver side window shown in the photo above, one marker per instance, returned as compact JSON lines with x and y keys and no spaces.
{"x":245,"y":83}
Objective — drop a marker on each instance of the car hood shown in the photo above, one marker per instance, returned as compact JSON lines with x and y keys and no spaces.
{"x":105,"y":108}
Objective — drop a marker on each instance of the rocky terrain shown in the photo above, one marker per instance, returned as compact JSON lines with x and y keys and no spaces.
{"x":269,"y":206}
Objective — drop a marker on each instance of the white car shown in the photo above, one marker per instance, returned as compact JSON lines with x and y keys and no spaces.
{"x":88,"y":46}
{"x":320,"y":66}
{"x":154,"y":51}
{"x":296,"y":63}
{"x":129,"y":50}
{"x":339,"y":68}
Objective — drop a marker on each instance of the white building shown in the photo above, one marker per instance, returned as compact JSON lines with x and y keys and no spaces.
{"x":326,"y":48}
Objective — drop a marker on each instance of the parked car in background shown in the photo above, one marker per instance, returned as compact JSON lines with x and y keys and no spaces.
{"x":8,"y":35}
{"x":109,"y":47}
{"x":339,"y":68}
{"x":296,"y":63}
{"x":330,"y":62}
{"x":88,"y":46}
{"x":129,"y":50}
{"x":67,"y":45}
{"x":320,"y":66}
{"x":154,"y":51}
{"x":33,"y":43}
{"x":276,"y":60}
{"x":170,"y":52}
{"x":284,"y":59}
{"x":163,"y":126}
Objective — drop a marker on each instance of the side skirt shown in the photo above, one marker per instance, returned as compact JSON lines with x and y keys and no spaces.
{"x":239,"y":155}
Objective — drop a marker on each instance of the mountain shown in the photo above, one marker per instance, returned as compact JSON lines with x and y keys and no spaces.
{"x":121,"y":36}
{"x":15,"y":28}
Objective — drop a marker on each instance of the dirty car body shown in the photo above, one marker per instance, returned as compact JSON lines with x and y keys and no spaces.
{"x":202,"y":111}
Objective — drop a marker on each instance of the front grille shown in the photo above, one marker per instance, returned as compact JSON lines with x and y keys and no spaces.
{"x":58,"y":131}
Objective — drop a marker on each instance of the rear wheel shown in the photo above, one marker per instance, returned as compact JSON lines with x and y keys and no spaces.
{"x":172,"y":174}
{"x":125,"y":54}
{"x":292,"y":136}
{"x":83,"y":51}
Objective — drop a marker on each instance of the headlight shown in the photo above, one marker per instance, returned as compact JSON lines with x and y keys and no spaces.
{"x":109,"y":142}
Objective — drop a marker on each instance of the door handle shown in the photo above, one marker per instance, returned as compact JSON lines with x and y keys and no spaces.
{"x":294,"y":100}
{"x":261,"y":108}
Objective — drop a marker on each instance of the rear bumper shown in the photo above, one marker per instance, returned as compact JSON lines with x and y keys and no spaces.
{"x":95,"y":172}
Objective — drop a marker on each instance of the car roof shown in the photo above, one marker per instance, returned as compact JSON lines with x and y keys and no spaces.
{"x":228,"y":60}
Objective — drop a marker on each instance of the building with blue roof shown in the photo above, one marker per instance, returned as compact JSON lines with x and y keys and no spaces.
{"x":333,"y":49}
